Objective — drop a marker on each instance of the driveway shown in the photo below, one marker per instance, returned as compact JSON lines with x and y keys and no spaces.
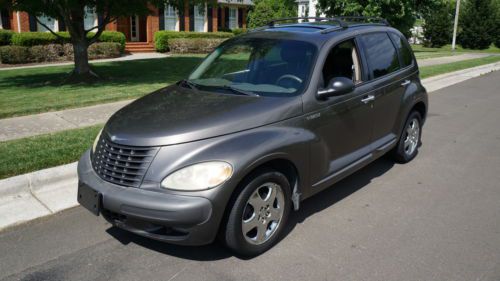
{"x":436,"y":218}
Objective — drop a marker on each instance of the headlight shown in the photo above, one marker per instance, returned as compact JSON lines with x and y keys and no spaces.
{"x":96,"y":141}
{"x":199,"y":176}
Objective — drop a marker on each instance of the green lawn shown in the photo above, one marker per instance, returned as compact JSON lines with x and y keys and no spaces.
{"x":433,"y":70}
{"x":36,"y":153}
{"x":35,"y":90}
{"x":422,"y":52}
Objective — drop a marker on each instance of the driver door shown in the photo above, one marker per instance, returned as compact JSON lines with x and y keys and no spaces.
{"x":344,"y":124}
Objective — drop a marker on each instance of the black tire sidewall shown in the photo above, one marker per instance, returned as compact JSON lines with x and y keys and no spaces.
{"x":233,"y":234}
{"x":400,"y":153}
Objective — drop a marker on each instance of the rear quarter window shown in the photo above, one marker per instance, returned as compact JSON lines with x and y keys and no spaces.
{"x":381,"y":54}
{"x":403,"y":49}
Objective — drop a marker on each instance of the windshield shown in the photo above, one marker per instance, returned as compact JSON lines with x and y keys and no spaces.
{"x":262,"y":66}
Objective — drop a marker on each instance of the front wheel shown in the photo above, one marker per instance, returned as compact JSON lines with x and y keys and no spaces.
{"x":409,"y":140}
{"x":258,"y":214}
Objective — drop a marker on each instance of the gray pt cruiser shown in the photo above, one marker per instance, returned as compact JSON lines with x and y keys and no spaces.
{"x":267,"y":120}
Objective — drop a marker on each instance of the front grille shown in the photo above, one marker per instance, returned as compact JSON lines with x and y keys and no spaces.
{"x":119,"y":164}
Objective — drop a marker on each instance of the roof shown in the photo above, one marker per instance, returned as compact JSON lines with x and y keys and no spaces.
{"x":317,"y":31}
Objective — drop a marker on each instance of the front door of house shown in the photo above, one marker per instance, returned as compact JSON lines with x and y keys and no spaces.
{"x":134,"y":28}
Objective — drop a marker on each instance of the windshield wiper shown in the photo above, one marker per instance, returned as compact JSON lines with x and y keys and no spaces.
{"x":240,"y":91}
{"x":188,"y":83}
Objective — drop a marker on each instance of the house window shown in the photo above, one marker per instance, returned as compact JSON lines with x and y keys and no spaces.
{"x":233,"y":18}
{"x":170,"y":18}
{"x":199,"y":18}
{"x":89,"y":21}
{"x":49,"y":22}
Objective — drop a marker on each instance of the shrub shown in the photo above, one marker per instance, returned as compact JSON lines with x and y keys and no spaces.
{"x":438,"y":25}
{"x":50,"y":52}
{"x":5,"y":37}
{"x":194,"y":45}
{"x":478,"y":24}
{"x":104,"y":50}
{"x":238,"y":31}
{"x":29,"y":39}
{"x":162,"y":37}
{"x":14,"y":54}
{"x":114,"y":37}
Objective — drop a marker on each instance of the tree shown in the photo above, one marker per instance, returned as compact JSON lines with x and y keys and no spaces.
{"x":72,"y":13}
{"x":400,"y":14}
{"x":477,"y":22}
{"x":267,"y":10}
{"x":438,"y":24}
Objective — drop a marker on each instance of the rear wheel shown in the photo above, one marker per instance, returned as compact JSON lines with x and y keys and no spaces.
{"x":409,"y":141}
{"x":258,"y":214}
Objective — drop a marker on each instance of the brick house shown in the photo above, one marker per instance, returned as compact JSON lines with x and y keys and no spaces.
{"x":139,"y":30}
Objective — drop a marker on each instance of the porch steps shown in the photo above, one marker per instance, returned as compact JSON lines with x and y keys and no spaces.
{"x":139,"y":47}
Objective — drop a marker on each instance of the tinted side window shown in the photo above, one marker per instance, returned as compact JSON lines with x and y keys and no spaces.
{"x":403,"y":49}
{"x":381,"y":54}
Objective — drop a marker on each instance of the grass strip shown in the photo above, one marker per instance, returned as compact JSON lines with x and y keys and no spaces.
{"x":44,"y":151}
{"x":433,"y":70}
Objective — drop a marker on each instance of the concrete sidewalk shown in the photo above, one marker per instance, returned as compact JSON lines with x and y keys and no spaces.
{"x":127,"y":57}
{"x":450,"y":59}
{"x":50,"y":122}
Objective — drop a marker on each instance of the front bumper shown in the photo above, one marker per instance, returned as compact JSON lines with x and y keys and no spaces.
{"x":177,"y":219}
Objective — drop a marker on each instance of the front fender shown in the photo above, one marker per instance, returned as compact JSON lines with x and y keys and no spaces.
{"x":245,"y":151}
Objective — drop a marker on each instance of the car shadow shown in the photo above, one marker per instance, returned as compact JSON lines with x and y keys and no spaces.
{"x":309,"y":207}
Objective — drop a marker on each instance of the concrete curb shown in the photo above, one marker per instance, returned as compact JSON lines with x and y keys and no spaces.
{"x":37,"y":194}
{"x":45,"y":192}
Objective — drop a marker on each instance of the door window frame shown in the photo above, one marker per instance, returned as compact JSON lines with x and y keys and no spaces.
{"x":365,"y":55}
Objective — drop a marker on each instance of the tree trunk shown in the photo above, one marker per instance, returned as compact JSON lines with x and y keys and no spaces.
{"x":82,"y":71}
{"x":82,"y":66}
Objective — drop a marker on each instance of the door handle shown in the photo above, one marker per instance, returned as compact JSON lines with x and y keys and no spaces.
{"x":406,"y":82}
{"x":368,"y":99}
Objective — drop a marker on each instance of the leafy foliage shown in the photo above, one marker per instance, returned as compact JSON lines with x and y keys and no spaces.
{"x":477,"y":21}
{"x":400,"y":14}
{"x":267,"y":10}
{"x":194,"y":45}
{"x":28,"y":39}
{"x":438,"y":25}
{"x":5,"y":36}
{"x":162,"y":37}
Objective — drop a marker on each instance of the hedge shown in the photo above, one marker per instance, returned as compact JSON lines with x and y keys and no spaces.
{"x":55,"y":52}
{"x":161,"y":37}
{"x":28,"y":39}
{"x":5,"y":37}
{"x":194,"y":45}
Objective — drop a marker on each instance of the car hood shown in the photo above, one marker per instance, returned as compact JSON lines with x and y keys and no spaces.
{"x":176,"y":115}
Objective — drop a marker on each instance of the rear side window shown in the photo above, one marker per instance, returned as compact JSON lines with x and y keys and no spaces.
{"x":404,"y":51}
{"x":381,"y":54}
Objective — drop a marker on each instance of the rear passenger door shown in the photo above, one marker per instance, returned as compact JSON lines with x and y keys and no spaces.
{"x":389,"y":79}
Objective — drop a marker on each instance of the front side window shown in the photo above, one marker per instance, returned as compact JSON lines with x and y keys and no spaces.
{"x":403,"y":49}
{"x":199,"y":18}
{"x":170,"y":18}
{"x":48,"y":21}
{"x":270,"y":67}
{"x":233,"y":18}
{"x":381,"y":55}
{"x":342,"y":61}
{"x":89,"y":21}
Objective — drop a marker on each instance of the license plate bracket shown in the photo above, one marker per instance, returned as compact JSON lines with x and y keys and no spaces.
{"x":89,"y":198}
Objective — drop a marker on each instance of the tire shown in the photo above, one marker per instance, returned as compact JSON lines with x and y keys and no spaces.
{"x":409,"y":141}
{"x":251,"y":230}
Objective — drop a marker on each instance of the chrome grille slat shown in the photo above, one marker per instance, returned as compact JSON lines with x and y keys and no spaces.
{"x":120,"y":164}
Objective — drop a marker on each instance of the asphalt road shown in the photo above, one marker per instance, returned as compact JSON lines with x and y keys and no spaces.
{"x":436,"y":218}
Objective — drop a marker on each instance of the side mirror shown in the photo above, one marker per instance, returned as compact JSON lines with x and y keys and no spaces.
{"x":336,"y":87}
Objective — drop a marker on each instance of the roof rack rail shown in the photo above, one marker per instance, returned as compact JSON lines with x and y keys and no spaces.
{"x":368,"y":20}
{"x":333,"y":19}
